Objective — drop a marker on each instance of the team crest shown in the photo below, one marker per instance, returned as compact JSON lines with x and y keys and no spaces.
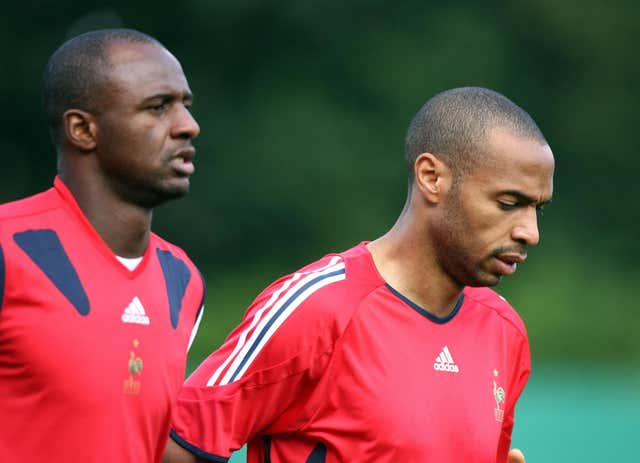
{"x":132,"y":383}
{"x":499,"y":396}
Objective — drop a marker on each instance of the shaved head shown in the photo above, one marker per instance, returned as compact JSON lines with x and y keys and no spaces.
{"x":78,"y":71}
{"x":454,"y":125}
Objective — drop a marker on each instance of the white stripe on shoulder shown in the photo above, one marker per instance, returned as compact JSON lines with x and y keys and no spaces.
{"x":276,"y":296}
{"x":253,"y":348}
{"x":196,"y":325}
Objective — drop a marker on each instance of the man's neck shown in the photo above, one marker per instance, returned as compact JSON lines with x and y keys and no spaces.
{"x":123,"y":226}
{"x":407,"y":263}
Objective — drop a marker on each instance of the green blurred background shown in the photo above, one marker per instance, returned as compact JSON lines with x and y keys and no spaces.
{"x":303,"y":107}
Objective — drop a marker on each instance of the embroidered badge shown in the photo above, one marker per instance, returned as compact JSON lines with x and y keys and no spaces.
{"x":500,"y":396}
{"x":132,"y":383}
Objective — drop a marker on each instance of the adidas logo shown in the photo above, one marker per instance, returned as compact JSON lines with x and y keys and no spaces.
{"x":444,"y":362}
{"x":134,"y":313}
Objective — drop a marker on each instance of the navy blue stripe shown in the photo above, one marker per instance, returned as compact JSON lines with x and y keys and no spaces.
{"x":2,"y":273}
{"x":46,"y":251}
{"x":176,"y":278}
{"x":195,"y":450}
{"x":421,"y":311}
{"x":267,"y":449}
{"x":279,"y":312}
{"x":318,"y":455}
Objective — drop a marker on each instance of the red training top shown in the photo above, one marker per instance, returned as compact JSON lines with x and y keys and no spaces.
{"x":331,"y":364}
{"x":92,"y":355}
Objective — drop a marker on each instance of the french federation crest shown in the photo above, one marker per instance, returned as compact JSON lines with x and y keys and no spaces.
{"x":500,"y":396}
{"x":132,"y":383}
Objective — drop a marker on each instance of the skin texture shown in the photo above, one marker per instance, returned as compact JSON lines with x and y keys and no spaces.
{"x":515,"y":456}
{"x":135,"y":152}
{"x":173,"y":453}
{"x":492,"y":216}
{"x":470,"y":234}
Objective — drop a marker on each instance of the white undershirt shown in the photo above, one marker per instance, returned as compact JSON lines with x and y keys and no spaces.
{"x":130,"y":263}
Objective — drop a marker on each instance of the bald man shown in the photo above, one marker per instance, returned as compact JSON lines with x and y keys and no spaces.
{"x":395,"y":350}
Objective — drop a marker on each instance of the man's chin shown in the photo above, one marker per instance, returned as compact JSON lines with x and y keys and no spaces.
{"x":484,"y":279}
{"x":176,"y":188}
{"x":171,"y":194}
{"x":165,"y":194}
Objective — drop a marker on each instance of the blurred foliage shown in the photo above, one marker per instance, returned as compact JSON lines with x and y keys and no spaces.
{"x":303,"y":108}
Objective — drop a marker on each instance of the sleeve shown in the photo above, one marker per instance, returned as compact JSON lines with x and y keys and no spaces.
{"x":519,"y":381}
{"x":259,"y":381}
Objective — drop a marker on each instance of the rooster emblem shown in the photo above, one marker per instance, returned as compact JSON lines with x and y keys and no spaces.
{"x":135,"y":364}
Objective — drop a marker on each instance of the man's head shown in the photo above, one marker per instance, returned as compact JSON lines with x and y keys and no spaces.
{"x":78,"y":73}
{"x":480,"y":171}
{"x":455,"y":125}
{"x":118,"y":103}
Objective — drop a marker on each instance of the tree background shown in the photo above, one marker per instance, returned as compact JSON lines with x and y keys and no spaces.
{"x":303,"y":107}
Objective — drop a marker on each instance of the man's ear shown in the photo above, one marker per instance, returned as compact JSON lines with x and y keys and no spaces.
{"x":80,"y":129}
{"x":432,"y":177}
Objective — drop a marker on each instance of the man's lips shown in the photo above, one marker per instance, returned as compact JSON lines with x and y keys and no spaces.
{"x":182,"y":161}
{"x":507,"y":263}
{"x":187,"y":153}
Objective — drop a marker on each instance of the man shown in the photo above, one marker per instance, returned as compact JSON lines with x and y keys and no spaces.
{"x":96,"y":311}
{"x":395,"y":350}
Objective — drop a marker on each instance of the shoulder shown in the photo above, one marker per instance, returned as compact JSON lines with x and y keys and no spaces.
{"x":491,"y":300}
{"x":32,"y":205}
{"x":322,"y":295}
{"x":306,"y":299}
{"x":162,"y":244}
{"x":294,"y":323}
{"x":175,"y":263}
{"x":166,"y":250}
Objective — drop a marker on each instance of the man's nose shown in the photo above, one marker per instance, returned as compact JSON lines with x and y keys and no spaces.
{"x":526,"y":230}
{"x":185,"y":125}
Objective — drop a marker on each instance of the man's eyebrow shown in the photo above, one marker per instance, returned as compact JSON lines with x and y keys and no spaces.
{"x":186,"y":96}
{"x":525,"y":199}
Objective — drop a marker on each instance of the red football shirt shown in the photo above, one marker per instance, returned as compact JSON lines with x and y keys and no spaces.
{"x":331,"y":364}
{"x":91,"y":354}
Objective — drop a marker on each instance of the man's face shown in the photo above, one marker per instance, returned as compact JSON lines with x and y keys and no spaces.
{"x":491,"y":217}
{"x":144,"y":129}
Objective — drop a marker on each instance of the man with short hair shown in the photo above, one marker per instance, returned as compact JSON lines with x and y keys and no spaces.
{"x":96,"y":311}
{"x":395,"y":350}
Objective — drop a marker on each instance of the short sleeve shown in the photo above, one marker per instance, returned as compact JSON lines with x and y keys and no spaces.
{"x":259,"y":380}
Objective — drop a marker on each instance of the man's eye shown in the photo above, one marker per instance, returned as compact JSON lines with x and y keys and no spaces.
{"x":158,"y":107}
{"x":507,"y":206}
